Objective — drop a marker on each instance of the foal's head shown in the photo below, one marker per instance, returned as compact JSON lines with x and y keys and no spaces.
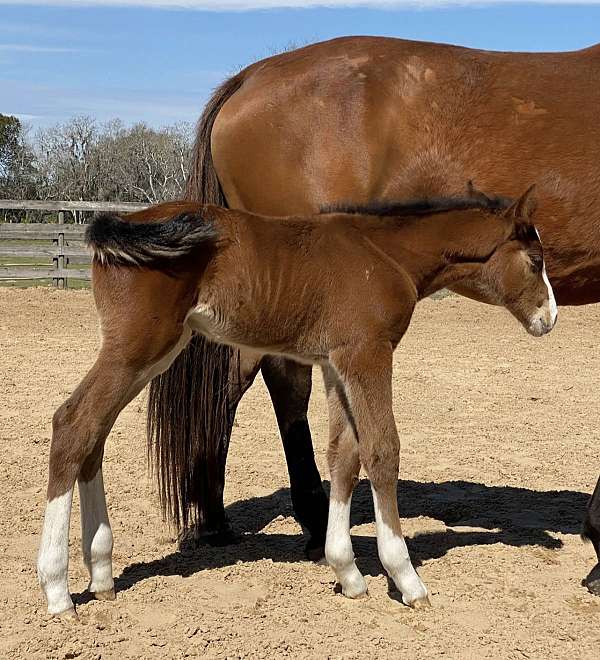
{"x":515,"y":275}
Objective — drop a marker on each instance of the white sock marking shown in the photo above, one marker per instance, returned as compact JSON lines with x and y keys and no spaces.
{"x":96,"y":534}
{"x":338,"y":549}
{"x":396,"y":560}
{"x":53,"y":556}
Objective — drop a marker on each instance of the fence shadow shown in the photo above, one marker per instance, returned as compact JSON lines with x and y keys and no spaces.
{"x":503,"y":514}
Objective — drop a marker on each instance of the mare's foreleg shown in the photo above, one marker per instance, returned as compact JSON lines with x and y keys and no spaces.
{"x":366,"y":375}
{"x":591,"y":531}
{"x":289,"y":385}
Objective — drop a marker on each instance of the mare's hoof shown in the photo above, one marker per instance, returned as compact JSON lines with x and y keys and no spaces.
{"x":315,"y":549}
{"x":196,"y":536}
{"x":422,"y":603}
{"x":592,"y":581}
{"x":109,"y":594}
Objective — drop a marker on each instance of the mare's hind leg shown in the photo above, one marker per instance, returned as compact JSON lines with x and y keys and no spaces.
{"x":212,"y":527}
{"x":127,"y":361}
{"x":344,"y":465}
{"x":591,"y":531}
{"x":366,"y":375}
{"x":289,"y":385}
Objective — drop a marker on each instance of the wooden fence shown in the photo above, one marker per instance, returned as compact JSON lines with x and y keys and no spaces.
{"x":63,"y":242}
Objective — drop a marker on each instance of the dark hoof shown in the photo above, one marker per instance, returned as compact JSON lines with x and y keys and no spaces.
{"x":315,"y":549}
{"x":592,"y":581}
{"x":196,"y":536}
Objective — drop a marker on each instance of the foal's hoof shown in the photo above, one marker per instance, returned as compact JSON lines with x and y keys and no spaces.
{"x":592,"y":581}
{"x":422,"y":603}
{"x":109,"y":594}
{"x":68,"y":616}
{"x":315,"y":549}
{"x":355,"y":588}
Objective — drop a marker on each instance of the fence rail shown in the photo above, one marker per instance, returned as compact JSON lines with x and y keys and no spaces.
{"x":67,"y":241}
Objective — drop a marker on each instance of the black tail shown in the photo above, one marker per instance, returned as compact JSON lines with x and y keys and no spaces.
{"x":121,"y":243}
{"x":190,"y":413}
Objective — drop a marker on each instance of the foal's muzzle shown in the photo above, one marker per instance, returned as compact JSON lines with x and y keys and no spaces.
{"x":542,"y":321}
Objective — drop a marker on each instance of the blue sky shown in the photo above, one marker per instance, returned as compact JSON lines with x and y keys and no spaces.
{"x":140,"y":61}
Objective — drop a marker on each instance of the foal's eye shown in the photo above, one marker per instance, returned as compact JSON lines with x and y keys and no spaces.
{"x":537,"y":262}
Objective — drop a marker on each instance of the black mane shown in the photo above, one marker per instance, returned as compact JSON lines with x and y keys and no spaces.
{"x":420,"y":207}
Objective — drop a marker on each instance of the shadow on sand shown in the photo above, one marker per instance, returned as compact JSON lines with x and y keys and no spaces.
{"x":513,"y":516}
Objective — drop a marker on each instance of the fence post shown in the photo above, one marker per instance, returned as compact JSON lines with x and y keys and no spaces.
{"x":61,"y":282}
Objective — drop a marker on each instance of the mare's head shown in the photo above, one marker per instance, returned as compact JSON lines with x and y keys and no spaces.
{"x":515,"y":274}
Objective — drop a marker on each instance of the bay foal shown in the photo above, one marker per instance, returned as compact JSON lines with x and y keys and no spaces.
{"x":338,"y":291}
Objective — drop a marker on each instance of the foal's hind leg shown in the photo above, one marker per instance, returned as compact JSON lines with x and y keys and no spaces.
{"x":366,"y":374}
{"x":289,"y":385}
{"x":96,"y":534}
{"x":126,"y":363}
{"x":591,"y":531}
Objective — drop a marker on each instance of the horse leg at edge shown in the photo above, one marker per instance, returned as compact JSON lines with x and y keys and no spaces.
{"x":289,"y":385}
{"x":591,"y":532}
{"x":80,"y":428}
{"x":366,"y":375}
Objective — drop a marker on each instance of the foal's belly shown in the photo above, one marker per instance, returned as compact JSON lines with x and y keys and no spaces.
{"x":203,"y":319}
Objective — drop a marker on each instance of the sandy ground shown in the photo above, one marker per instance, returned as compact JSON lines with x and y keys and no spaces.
{"x":500,"y":450}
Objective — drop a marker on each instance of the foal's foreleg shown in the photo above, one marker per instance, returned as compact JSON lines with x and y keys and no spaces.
{"x":344,"y":466}
{"x":366,"y":373}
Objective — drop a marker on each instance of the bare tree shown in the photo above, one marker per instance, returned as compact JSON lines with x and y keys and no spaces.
{"x":82,"y":160}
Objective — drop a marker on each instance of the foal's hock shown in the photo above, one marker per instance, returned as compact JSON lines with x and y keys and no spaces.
{"x":336,"y":290}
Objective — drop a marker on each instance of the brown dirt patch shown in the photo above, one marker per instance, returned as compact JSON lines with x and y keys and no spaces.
{"x":500,"y":449}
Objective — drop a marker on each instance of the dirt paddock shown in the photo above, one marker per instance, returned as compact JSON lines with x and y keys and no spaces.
{"x":500,"y":452}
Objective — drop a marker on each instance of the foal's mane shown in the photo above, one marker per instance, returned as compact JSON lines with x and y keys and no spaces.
{"x":420,"y":207}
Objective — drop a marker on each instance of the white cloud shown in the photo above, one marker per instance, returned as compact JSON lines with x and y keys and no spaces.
{"x":241,"y":5}
{"x":27,"y":48}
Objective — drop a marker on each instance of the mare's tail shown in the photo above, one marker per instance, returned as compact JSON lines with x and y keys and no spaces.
{"x":190,"y":413}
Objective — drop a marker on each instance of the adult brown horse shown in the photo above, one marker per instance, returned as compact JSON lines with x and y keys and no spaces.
{"x":356,"y":119}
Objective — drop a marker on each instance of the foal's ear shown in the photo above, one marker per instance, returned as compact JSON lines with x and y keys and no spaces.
{"x":525,"y":206}
{"x":474,"y":193}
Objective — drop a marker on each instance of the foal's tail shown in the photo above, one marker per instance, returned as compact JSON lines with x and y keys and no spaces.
{"x":190,"y":414}
{"x":117,"y":242}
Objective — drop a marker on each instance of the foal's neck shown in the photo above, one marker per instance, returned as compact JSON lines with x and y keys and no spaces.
{"x":442,"y":249}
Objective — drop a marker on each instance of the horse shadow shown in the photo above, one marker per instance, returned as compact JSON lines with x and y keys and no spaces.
{"x":474,"y":514}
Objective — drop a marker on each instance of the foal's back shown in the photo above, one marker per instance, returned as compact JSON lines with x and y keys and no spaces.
{"x":297,"y":285}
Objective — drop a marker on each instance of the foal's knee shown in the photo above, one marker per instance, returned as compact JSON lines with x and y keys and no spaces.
{"x":381,"y":466}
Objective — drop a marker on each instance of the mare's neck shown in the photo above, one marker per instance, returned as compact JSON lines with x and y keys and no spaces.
{"x":439,"y":250}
